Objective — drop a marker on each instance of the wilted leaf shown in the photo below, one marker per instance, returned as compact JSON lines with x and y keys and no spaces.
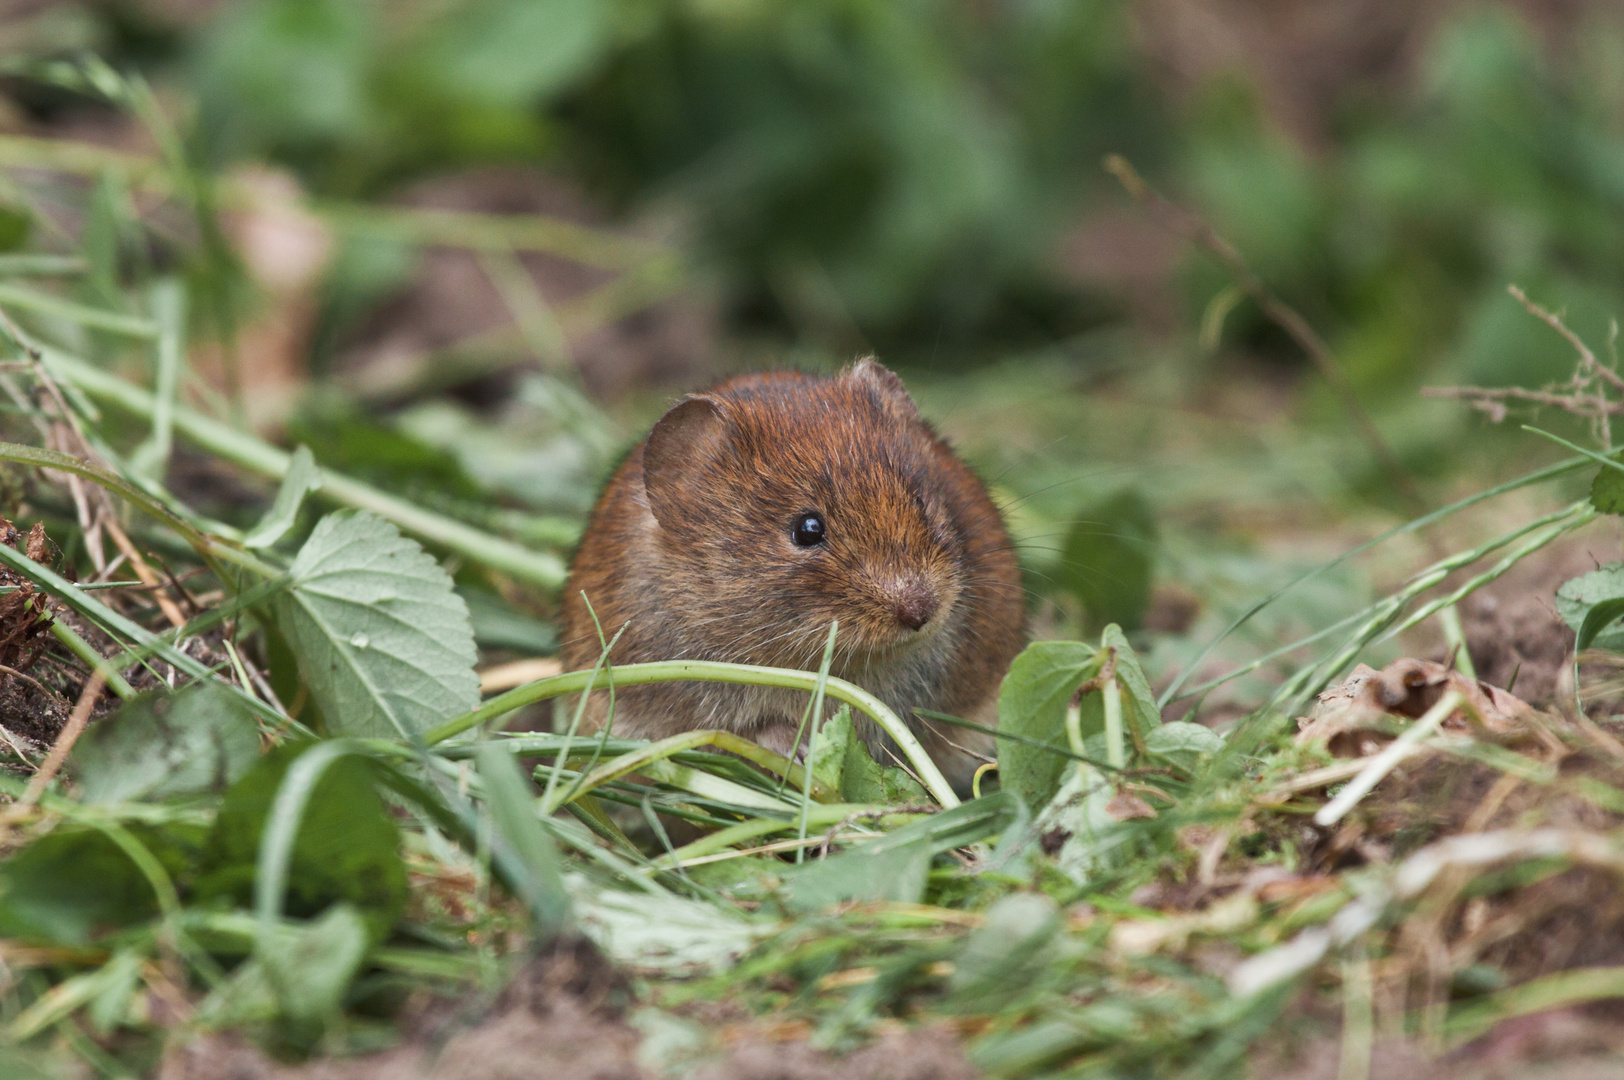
{"x":201,"y":738}
{"x":382,"y":640}
{"x":347,"y":849}
{"x":663,"y":932}
{"x":1032,"y":704}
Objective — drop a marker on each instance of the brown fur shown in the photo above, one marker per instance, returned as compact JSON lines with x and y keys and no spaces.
{"x":690,"y":549}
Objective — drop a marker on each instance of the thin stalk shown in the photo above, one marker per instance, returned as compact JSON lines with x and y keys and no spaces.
{"x":1115,"y":749}
{"x":575,"y":682}
{"x":812,"y":736}
{"x":68,"y":311}
{"x":258,"y":456}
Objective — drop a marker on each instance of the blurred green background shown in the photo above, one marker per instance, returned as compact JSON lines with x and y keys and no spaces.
{"x":469,"y":248}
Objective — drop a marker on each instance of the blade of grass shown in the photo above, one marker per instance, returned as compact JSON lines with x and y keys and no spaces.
{"x":574,"y":682}
{"x":1538,"y":476}
{"x":254,"y":454}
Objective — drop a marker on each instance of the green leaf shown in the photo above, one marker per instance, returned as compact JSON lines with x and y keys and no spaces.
{"x":1607,"y":491}
{"x":347,"y":848}
{"x":75,"y":883}
{"x":310,"y":966}
{"x":1182,"y":743}
{"x":1032,"y":704}
{"x":1004,"y":955}
{"x":895,"y":866}
{"x":498,"y":625}
{"x":510,"y":53}
{"x":1108,"y":557}
{"x":1137,"y":698}
{"x":1579,"y":597}
{"x":1597,"y":619}
{"x":842,"y":761}
{"x":200,"y":739}
{"x":382,"y":640}
{"x":1089,"y":838}
{"x":301,"y":479}
{"x":522,"y":840}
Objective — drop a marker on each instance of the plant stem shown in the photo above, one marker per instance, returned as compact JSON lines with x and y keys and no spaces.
{"x":256,"y":455}
{"x":574,"y":682}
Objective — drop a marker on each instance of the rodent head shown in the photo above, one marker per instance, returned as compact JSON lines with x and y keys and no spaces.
{"x":786,"y":501}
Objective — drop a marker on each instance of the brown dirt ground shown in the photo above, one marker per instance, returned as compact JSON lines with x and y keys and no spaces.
{"x":564,"y":1018}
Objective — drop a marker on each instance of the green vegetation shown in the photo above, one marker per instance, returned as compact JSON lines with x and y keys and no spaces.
{"x":321,"y":323}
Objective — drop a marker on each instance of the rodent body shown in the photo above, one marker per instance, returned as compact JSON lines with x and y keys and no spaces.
{"x":759,"y":511}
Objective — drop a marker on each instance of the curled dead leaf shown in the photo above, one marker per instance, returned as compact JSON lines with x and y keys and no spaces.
{"x":1354,"y":719}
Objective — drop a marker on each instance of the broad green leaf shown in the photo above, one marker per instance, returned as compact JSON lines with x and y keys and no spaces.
{"x":199,"y":739}
{"x":311,"y":965}
{"x":347,"y":848}
{"x":381,"y":639}
{"x":521,"y":839}
{"x":301,"y":479}
{"x":1578,"y":596}
{"x":1183,"y":743}
{"x":1597,"y":619}
{"x":1032,"y":704}
{"x":503,"y":53}
{"x":75,"y":883}
{"x":1108,"y":557}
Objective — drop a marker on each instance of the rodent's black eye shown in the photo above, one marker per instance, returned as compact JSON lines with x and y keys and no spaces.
{"x":807,"y":530}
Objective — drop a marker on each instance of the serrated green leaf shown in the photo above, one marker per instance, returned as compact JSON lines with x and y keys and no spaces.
{"x":159,"y":745}
{"x":1579,"y":597}
{"x":381,"y":639}
{"x":301,"y":479}
{"x":1032,"y":704}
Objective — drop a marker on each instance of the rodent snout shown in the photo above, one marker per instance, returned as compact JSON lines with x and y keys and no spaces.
{"x":914,"y":600}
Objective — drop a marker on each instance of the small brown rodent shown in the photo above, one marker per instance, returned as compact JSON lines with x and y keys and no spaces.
{"x":758,"y":511}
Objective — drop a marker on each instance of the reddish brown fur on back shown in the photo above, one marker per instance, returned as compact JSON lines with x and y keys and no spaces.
{"x":712,"y":570}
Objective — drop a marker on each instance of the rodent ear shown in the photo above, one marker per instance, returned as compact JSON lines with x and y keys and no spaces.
{"x":884,"y":383}
{"x":686,"y":437}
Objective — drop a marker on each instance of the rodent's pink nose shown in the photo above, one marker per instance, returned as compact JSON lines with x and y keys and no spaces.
{"x":915,"y":603}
